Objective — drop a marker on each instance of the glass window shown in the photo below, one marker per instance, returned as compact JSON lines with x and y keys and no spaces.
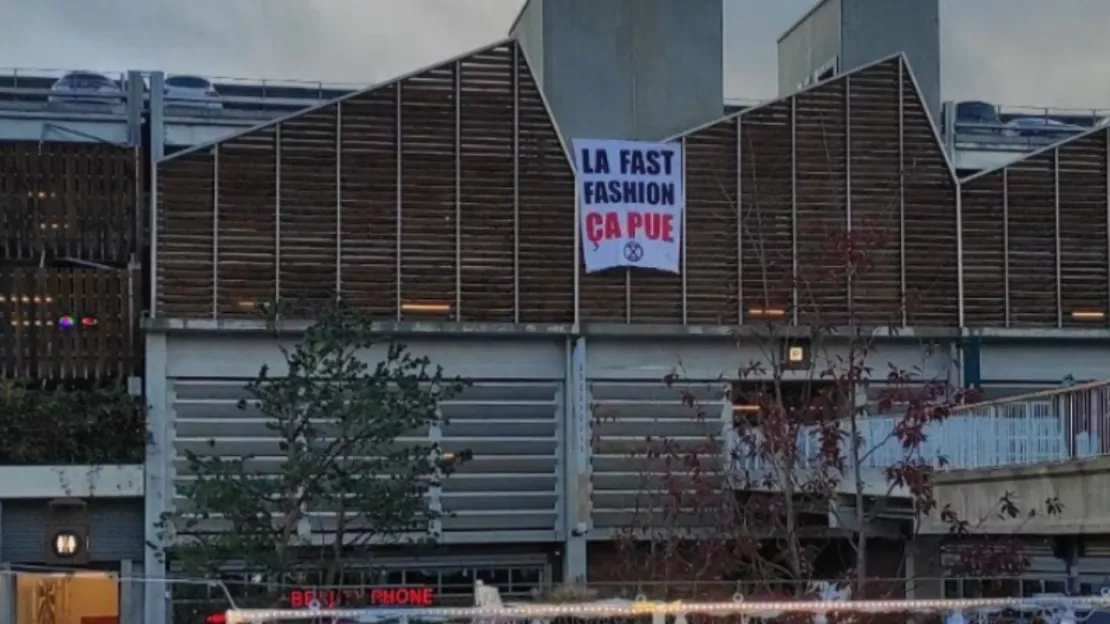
{"x":187,"y":82}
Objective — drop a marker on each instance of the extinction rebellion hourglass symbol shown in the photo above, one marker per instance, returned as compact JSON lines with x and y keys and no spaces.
{"x":633,"y":251}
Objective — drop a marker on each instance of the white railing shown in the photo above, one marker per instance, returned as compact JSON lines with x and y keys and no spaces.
{"x":1047,"y":426}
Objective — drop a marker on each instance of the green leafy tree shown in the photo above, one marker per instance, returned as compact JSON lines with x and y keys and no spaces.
{"x":355,"y":462}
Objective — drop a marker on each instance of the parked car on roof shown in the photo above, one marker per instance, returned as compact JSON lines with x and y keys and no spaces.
{"x":1041,"y":126}
{"x":85,"y":87}
{"x":195,"y":91}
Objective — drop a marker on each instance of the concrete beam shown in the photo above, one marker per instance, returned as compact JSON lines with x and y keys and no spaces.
{"x":1082,"y":487}
{"x":108,"y":481}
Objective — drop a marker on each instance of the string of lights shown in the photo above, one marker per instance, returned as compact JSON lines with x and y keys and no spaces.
{"x":1061,"y":606}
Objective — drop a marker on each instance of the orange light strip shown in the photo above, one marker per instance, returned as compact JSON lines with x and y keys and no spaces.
{"x":775,"y":312}
{"x":414,"y":306}
{"x":1088,"y":315}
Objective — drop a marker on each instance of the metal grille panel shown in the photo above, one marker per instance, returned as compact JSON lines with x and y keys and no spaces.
{"x":512,"y":429}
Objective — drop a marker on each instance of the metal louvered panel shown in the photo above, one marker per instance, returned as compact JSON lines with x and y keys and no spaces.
{"x":629,"y":422}
{"x":930,"y":241}
{"x":446,"y":195}
{"x":1030,"y":194}
{"x":512,"y":429}
{"x":1084,"y":280}
{"x":984,"y":214}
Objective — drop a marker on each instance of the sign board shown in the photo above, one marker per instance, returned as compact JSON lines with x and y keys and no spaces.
{"x":631,"y":199}
{"x":367,"y":596}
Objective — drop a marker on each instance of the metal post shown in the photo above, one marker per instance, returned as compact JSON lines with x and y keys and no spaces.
{"x":960,"y":257}
{"x":1107,"y":158}
{"x":682,"y":256}
{"x":793,"y":206}
{"x":739,"y":221}
{"x":338,"y":200}
{"x":848,"y":178}
{"x":277,"y":214}
{"x":516,"y":184}
{"x":215,"y":231}
{"x":904,"y":303}
{"x":400,"y":155}
{"x":157,"y":147}
{"x":1056,"y":212}
{"x":458,"y":191}
{"x":628,"y":296}
{"x":1006,"y":244}
{"x":576,"y":254}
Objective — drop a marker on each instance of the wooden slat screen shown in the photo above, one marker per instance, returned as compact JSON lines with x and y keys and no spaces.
{"x":1030,"y":189}
{"x":985,"y":251}
{"x":1036,"y":239}
{"x":35,"y":344}
{"x":448,"y":196}
{"x":1084,"y":283}
{"x":67,"y":200}
{"x":930,"y":242}
{"x":877,"y":121}
{"x":444,"y":196}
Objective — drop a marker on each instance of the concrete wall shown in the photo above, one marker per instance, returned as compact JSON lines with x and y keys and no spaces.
{"x":528,"y":29}
{"x":634,"y":69}
{"x":1082,"y":486}
{"x":809,"y":44}
{"x":875,"y":29}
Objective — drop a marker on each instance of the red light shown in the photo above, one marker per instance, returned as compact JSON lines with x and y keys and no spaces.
{"x":216,"y":618}
{"x":89,"y":321}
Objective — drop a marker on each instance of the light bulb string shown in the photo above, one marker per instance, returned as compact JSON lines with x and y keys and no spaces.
{"x":747,"y":608}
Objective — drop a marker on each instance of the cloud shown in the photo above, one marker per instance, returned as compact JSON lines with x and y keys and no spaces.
{"x":1018,"y":51}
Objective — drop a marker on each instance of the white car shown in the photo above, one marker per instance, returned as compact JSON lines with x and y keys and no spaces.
{"x":86,"y":88}
{"x":1041,"y":126}
{"x":194,"y":91}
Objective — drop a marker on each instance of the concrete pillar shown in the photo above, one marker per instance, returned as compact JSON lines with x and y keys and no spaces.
{"x":924,"y":568}
{"x":7,"y":594}
{"x":159,"y":479}
{"x":576,"y":464}
{"x":130,"y":593}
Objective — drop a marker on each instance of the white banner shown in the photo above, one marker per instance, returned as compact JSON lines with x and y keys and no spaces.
{"x":630,"y":198}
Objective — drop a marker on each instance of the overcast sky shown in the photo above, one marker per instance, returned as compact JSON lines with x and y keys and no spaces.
{"x":1034,"y":52}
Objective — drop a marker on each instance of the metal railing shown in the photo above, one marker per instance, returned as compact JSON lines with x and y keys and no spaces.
{"x":1047,"y":426}
{"x":1017,"y":129}
{"x":26,"y":90}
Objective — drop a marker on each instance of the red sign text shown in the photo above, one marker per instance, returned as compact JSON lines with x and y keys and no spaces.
{"x":649,"y":225}
{"x":374,"y":597}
